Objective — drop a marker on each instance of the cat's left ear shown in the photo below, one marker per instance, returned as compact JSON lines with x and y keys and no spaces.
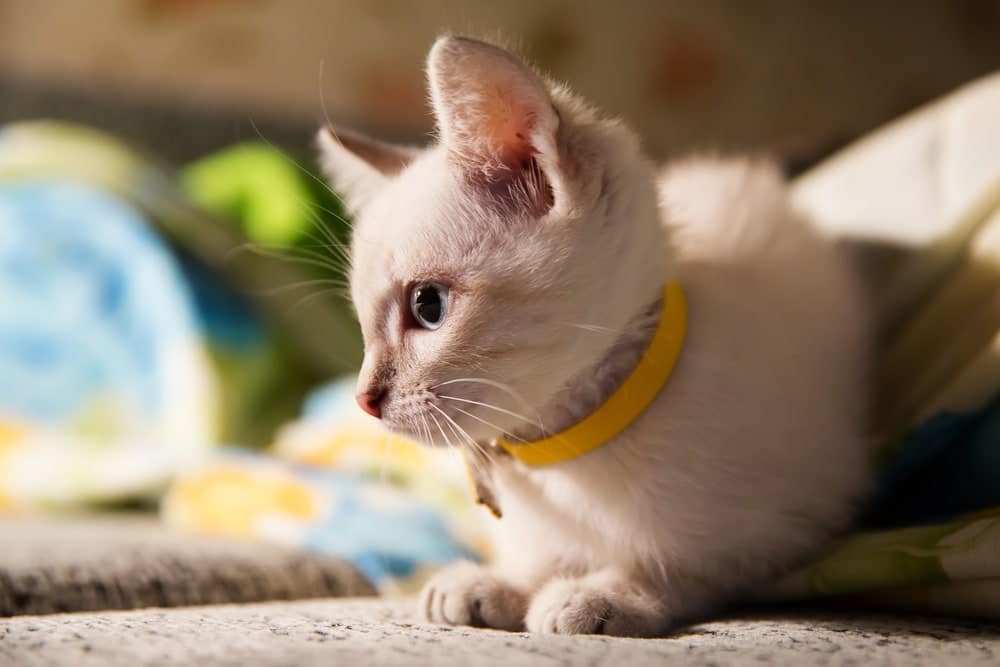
{"x":496,"y":119}
{"x":359,"y":167}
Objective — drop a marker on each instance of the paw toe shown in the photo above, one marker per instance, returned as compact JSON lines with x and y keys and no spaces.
{"x":459,"y":608}
{"x":567,"y":609}
{"x":472,"y":597}
{"x":585,"y":613}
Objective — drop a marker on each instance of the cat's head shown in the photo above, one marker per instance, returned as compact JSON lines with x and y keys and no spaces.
{"x":497,"y":265}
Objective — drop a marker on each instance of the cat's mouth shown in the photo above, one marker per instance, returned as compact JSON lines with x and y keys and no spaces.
{"x":442,"y":416}
{"x":433,"y":426}
{"x":426,"y":422}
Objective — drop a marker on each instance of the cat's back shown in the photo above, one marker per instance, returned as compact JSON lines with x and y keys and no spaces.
{"x":772,"y":380}
{"x":718,"y":208}
{"x":734,"y":233}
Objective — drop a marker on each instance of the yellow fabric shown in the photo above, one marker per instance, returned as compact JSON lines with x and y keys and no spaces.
{"x":11,"y":436}
{"x":628,"y":402}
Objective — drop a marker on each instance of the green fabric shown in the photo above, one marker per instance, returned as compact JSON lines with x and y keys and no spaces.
{"x":256,"y":185}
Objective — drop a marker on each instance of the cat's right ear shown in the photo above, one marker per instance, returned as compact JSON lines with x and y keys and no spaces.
{"x":359,"y":167}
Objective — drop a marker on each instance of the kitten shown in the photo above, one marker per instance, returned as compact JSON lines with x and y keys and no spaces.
{"x":509,"y":278}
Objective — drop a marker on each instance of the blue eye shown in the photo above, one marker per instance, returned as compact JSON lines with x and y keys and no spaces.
{"x":429,"y":304}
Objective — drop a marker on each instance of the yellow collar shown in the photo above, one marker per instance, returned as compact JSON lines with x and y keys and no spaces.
{"x":629,"y":400}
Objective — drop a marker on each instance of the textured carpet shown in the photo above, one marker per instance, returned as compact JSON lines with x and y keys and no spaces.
{"x":121,"y":562}
{"x":376,"y":632}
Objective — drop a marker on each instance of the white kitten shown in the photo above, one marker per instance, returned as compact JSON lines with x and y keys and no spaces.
{"x":536,"y":240}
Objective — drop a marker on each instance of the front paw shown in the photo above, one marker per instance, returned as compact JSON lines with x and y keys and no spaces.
{"x":468,"y":594}
{"x":576,"y":607}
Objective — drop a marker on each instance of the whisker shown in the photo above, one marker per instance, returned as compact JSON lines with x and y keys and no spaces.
{"x":593,"y":328}
{"x":487,"y":405}
{"x":322,"y":97}
{"x":301,"y":284}
{"x":309,"y":259}
{"x":325,"y":259}
{"x":328,"y":234}
{"x":490,"y":424}
{"x":296,"y":164}
{"x":334,"y":214}
{"x":426,"y":430}
{"x":461,"y":431}
{"x":441,"y":430}
{"x":341,"y":290}
{"x":490,"y":383}
{"x":473,"y":460}
{"x":329,"y":124}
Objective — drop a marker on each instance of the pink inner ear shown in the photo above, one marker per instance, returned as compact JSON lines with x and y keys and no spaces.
{"x":493,"y":116}
{"x":497,"y":139}
{"x":507,"y":124}
{"x":496,"y":119}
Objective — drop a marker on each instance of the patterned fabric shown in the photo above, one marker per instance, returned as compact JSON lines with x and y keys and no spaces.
{"x":123,"y":356}
{"x":337,"y":482}
{"x":948,"y":568}
{"x":101,"y":395}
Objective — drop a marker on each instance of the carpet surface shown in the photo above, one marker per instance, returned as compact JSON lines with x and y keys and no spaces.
{"x":380,"y":632}
{"x":67,"y":564}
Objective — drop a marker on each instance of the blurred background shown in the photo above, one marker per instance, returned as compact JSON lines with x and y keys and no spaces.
{"x":185,"y":76}
{"x":173,"y":335}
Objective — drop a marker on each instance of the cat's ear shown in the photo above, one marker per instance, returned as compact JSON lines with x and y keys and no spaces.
{"x":359,"y":167}
{"x":496,"y":118}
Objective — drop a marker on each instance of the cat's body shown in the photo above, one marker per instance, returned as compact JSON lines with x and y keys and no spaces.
{"x":556,"y":238}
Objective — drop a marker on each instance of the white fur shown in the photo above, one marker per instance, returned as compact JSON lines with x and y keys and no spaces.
{"x":751,"y":457}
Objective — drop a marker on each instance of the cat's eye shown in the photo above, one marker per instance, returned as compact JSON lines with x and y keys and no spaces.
{"x":429,"y":304}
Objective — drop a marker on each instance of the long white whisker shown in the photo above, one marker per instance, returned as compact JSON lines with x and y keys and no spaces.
{"x":425,"y":432}
{"x":308,"y":298}
{"x":461,"y":432}
{"x":441,"y":430}
{"x":594,"y":328}
{"x":490,"y":383}
{"x":490,"y":424}
{"x":328,"y":235}
{"x":491,"y":407}
{"x":305,"y":258}
{"x":474,"y":460}
{"x":295,"y":164}
{"x":328,"y":243}
{"x":301,"y":284}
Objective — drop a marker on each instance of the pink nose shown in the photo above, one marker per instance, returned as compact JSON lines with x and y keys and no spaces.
{"x":371,"y":403}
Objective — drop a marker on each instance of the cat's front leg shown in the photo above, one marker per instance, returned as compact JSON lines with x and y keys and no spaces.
{"x":470,"y":594}
{"x":604,"y":602}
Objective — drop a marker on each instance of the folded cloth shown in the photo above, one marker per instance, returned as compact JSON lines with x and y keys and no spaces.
{"x":926,"y":187}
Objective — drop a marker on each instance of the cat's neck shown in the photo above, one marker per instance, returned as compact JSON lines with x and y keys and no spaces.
{"x":592,"y":387}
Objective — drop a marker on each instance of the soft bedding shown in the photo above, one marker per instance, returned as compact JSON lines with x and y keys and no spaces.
{"x":134,"y":357}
